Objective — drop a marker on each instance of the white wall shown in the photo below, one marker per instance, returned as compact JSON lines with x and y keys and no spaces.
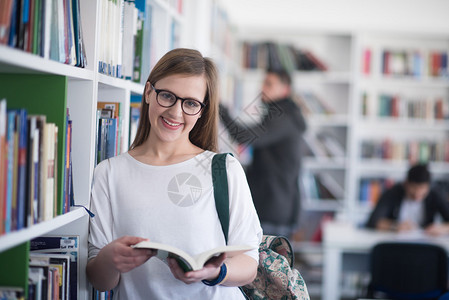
{"x":417,"y":16}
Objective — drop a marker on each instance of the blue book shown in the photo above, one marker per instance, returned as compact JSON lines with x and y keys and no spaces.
{"x":12,"y":29}
{"x":364,"y":190}
{"x":443,"y":66}
{"x":22,"y":129}
{"x":417,"y":64}
{"x":111,"y":137}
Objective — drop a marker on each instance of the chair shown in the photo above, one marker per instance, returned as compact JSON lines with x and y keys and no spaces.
{"x":404,"y":270}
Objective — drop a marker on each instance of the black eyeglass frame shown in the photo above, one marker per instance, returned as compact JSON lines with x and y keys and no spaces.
{"x":177,"y":98}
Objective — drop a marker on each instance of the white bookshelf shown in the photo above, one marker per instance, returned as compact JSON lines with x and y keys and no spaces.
{"x":333,"y":87}
{"x":86,"y":87}
{"x":342,"y":86}
{"x":402,"y":129}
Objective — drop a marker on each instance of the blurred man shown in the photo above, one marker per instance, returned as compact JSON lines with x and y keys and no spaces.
{"x":411,"y":205}
{"x":275,"y":167}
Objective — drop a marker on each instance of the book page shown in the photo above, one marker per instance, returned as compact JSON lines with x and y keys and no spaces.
{"x":186,"y":261}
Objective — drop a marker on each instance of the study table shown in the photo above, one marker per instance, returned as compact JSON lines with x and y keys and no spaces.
{"x":347,"y":247}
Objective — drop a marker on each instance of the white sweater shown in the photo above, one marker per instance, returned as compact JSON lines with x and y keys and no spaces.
{"x":174,"y":205}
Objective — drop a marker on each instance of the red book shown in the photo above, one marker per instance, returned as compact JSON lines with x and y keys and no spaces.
{"x":439,"y":115}
{"x":395,"y":106}
{"x":366,"y":61}
{"x":387,"y":149}
{"x":317,"y":62}
{"x":436,"y":62}
{"x":5,"y":20}
{"x":30,"y":28}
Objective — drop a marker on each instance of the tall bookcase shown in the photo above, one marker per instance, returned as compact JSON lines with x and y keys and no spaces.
{"x":359,"y":95}
{"x":402,"y":101}
{"x":356,"y":89}
{"x":47,"y":87}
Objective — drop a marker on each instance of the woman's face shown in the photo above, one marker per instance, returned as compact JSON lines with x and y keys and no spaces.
{"x":171,"y":124}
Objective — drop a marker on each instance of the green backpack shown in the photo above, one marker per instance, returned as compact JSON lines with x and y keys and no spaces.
{"x":276,"y":278}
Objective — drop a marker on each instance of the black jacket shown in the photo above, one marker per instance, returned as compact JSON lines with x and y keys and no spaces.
{"x":274,"y":171}
{"x":389,"y":205}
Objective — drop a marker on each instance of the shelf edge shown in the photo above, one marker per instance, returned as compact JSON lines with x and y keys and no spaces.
{"x":15,"y":238}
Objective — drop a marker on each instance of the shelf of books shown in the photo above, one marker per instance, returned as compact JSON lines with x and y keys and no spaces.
{"x":68,"y":72}
{"x":402,"y":106}
{"x":320,"y":65}
{"x":374,"y":104}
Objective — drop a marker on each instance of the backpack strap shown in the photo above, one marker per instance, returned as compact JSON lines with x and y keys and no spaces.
{"x":221,"y":193}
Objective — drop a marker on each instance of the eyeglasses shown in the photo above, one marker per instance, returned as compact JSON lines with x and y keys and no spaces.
{"x":190,"y":107}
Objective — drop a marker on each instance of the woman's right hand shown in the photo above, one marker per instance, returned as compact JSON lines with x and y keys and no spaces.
{"x":124,"y":258}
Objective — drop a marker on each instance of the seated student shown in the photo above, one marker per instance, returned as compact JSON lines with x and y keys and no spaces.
{"x":410,"y":205}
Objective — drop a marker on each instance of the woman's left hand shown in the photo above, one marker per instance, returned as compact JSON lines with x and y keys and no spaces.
{"x":210,"y":270}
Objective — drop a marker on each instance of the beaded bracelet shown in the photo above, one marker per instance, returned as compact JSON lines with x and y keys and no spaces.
{"x":221,"y":277}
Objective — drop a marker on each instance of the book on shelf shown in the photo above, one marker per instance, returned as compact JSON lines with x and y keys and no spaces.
{"x":313,"y":146}
{"x":138,"y":44}
{"x":110,"y":127}
{"x":438,"y":66}
{"x":21,"y":131}
{"x":5,"y":20}
{"x":51,"y":29}
{"x":67,"y":247}
{"x":370,"y":189}
{"x":3,"y":164}
{"x":47,"y":172}
{"x":321,"y":186}
{"x":110,"y":20}
{"x":265,"y":55}
{"x":400,"y":106}
{"x":187,"y":261}
{"x":412,"y":63}
{"x":410,"y":150}
{"x":61,"y":263}
{"x":147,"y":41}
{"x":29,"y":169}
{"x":98,"y":295}
{"x":68,"y":194}
{"x":323,"y":144}
{"x":134,"y":116}
{"x":8,"y":215}
{"x":11,"y":292}
{"x":332,"y":145}
{"x":125,"y":38}
{"x":366,"y":61}
{"x":130,"y":21}
{"x":313,"y":104}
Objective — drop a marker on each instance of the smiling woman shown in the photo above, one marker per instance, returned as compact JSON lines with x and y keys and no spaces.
{"x":185,"y":63}
{"x":161,"y":190}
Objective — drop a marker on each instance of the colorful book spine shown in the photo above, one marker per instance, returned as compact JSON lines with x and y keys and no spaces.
{"x":49,"y":28}
{"x":22,"y":129}
{"x":9,"y":179}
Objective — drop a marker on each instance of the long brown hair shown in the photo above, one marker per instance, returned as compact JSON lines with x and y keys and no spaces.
{"x":186,"y":62}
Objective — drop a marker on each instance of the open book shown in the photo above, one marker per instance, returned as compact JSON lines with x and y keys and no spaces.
{"x":188,"y":262}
